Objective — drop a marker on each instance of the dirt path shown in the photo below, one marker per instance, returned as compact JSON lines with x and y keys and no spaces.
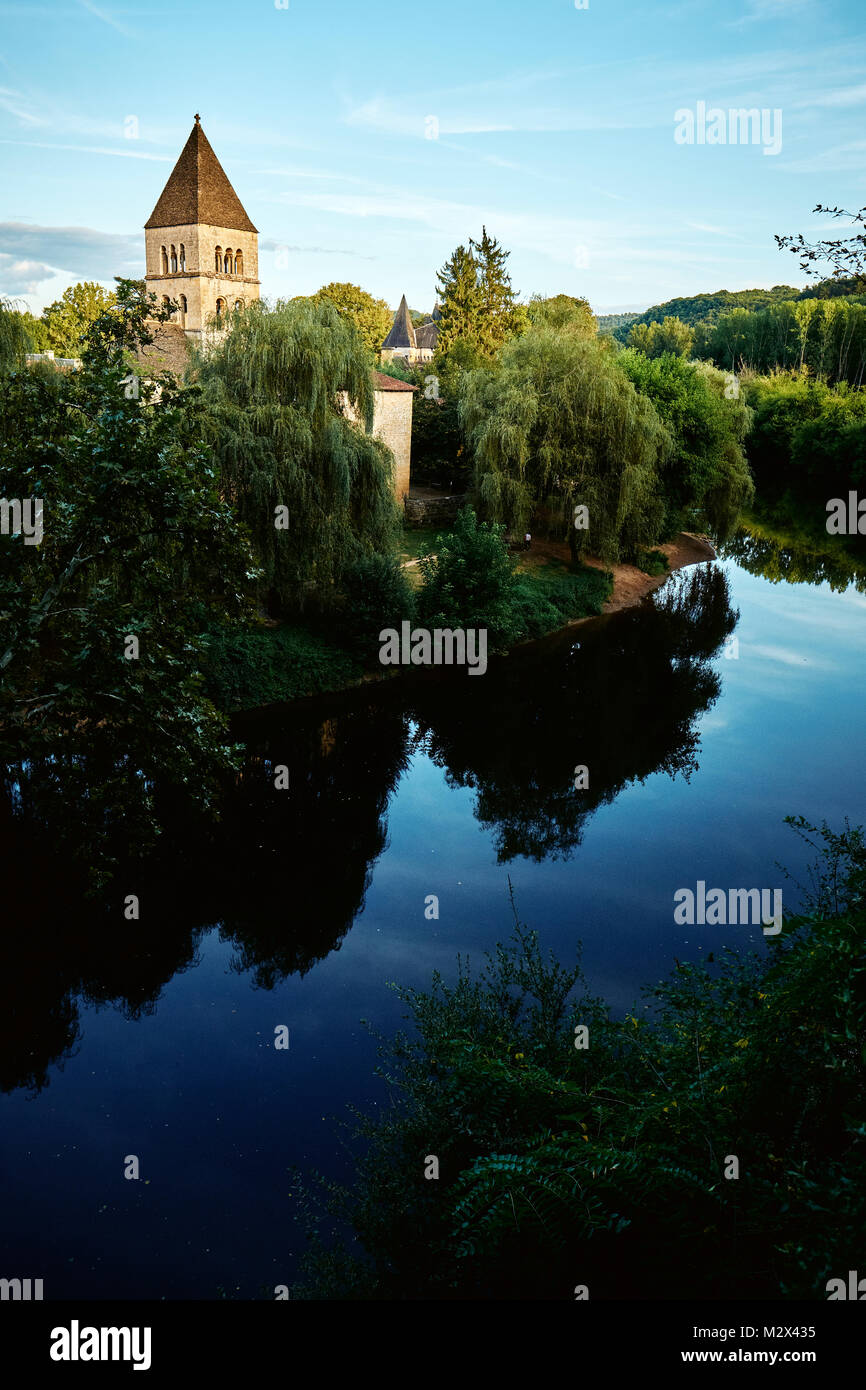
{"x":630,"y":585}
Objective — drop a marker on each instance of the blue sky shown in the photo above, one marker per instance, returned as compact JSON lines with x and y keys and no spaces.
{"x":367,"y":141}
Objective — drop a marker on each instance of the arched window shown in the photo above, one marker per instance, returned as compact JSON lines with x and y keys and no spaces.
{"x":239,"y":303}
{"x":228,"y":263}
{"x":218,"y":257}
{"x":220,"y":309}
{"x":239,"y":263}
{"x":166,"y":301}
{"x":182,"y":256}
{"x":163,"y":260}
{"x":173,"y":261}
{"x":183,"y":308}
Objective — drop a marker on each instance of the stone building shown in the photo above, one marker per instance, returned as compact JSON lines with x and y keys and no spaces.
{"x":392,"y":423}
{"x":201,"y":248}
{"x":202,"y":251}
{"x":406,"y":341}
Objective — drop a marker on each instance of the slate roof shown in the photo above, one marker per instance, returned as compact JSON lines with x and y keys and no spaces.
{"x":402,"y":333}
{"x":198,"y":191}
{"x":426,"y":335}
{"x":381,"y":382}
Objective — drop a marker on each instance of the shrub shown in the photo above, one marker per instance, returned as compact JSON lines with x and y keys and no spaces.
{"x":469,"y":581}
{"x":376,"y":595}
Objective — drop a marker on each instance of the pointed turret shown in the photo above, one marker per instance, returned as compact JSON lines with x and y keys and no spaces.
{"x":402,"y":333}
{"x":198,"y":191}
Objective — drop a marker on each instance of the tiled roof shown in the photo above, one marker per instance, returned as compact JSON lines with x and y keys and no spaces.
{"x":198,"y":191}
{"x":381,"y":382}
{"x":402,"y":333}
{"x":169,"y":351}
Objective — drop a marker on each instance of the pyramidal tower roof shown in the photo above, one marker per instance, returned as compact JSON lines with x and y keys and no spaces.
{"x":402,"y":333}
{"x":198,"y":191}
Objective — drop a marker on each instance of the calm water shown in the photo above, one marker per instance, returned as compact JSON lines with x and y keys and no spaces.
{"x":156,"y":1039}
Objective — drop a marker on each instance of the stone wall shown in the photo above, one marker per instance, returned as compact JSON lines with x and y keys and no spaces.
{"x":425,"y":511}
{"x":392,"y":423}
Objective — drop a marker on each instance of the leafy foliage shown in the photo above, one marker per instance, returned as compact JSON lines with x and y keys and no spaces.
{"x":700,"y":308}
{"x":469,"y":579}
{"x":658,"y":339}
{"x":246,"y":670}
{"x":371,"y":317}
{"x":825,"y":337}
{"x":69,"y":318}
{"x":20,"y":333}
{"x":606,"y":1166}
{"x":275,"y":392}
{"x":377,"y":595}
{"x":846,"y":255}
{"x":137,"y":542}
{"x":807,"y":433}
{"x":706,"y":478}
{"x":556,"y":424}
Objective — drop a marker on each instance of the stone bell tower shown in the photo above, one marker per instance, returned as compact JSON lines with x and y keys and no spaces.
{"x":201,"y":248}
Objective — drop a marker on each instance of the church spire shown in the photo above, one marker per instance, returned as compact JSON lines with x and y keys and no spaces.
{"x":402,"y":334}
{"x":198,"y":191}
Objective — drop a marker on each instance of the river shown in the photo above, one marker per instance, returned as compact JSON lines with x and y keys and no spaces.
{"x":700,"y":731}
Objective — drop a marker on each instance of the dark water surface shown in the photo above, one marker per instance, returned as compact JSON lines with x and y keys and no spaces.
{"x":700,"y":733}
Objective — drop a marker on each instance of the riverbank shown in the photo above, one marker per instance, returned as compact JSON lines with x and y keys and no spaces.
{"x":281,"y":665}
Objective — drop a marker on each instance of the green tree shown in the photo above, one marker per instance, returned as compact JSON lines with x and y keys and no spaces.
{"x":499,"y":317}
{"x":469,"y":579}
{"x":371,"y":317}
{"x":68,"y":318}
{"x":565,"y":313}
{"x":137,"y":544}
{"x":656,"y":339}
{"x":461,"y":303}
{"x":275,"y":396}
{"x":18,"y":335}
{"x":706,"y":477}
{"x":557,"y":425}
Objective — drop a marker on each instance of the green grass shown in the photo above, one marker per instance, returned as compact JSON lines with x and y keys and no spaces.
{"x":550,"y":595}
{"x":264,"y":666}
{"x":414,"y":541}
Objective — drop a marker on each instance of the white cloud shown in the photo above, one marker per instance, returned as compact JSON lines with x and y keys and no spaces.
{"x":22,"y":277}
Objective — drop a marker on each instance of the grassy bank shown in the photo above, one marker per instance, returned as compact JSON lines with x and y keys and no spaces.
{"x":267,"y":665}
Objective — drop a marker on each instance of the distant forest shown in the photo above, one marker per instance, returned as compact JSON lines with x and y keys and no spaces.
{"x":707,"y":308}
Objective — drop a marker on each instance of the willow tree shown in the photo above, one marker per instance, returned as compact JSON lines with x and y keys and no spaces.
{"x":555,"y":426}
{"x":15,"y":336}
{"x":281,"y":395}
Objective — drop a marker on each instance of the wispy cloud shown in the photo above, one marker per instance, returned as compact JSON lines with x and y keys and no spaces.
{"x":107,"y":18}
{"x":271,"y":244}
{"x":14,"y":103}
{"x":715,"y":231}
{"x":92,"y":149}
